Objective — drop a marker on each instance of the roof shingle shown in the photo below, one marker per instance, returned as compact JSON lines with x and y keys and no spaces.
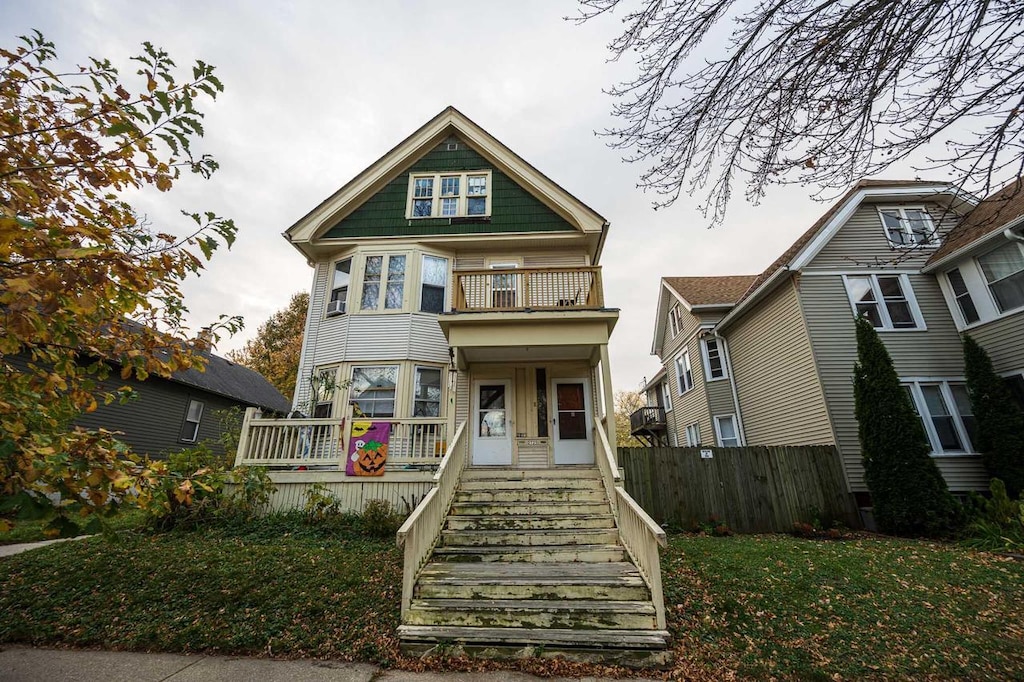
{"x":723,"y":290}
{"x":991,"y":215}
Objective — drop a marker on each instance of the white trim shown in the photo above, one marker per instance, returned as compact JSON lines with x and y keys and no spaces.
{"x":462,"y":198}
{"x":680,"y":360}
{"x":933,"y":240}
{"x":883,"y":310}
{"x":719,"y":344}
{"x":927,"y":419}
{"x":718,"y":430}
{"x":666,"y":394}
{"x":693,"y":442}
{"x":874,"y":271}
{"x":988,"y":285}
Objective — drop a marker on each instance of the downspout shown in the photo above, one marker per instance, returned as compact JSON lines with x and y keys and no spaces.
{"x":1014,"y":233}
{"x":732,"y":385}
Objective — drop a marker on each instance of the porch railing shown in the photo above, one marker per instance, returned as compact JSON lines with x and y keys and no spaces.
{"x":534,"y":288}
{"x":420,"y":532}
{"x":647,"y":417}
{"x":639,"y":534}
{"x":325,"y":442}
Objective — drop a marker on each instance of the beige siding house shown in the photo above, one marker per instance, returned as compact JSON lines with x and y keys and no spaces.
{"x":925,"y":263}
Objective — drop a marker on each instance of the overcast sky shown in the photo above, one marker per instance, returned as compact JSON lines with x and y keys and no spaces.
{"x":317,"y":91}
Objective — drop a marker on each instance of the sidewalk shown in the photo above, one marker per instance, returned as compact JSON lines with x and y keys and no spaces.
{"x":11,"y":550}
{"x":26,"y":664}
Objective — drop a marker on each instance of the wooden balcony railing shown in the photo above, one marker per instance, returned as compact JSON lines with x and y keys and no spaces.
{"x":528,"y":288}
{"x":324,"y":442}
{"x":647,"y":418}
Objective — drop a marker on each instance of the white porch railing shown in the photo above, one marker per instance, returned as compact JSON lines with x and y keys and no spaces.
{"x":324,"y":442}
{"x":420,"y":532}
{"x":639,"y":534}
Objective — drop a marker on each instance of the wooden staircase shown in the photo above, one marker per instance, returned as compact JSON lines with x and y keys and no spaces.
{"x":529,"y":564}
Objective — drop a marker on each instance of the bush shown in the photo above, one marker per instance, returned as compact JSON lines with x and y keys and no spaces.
{"x":381,"y":519}
{"x":1000,"y":432}
{"x":997,"y":523}
{"x":908,"y":492}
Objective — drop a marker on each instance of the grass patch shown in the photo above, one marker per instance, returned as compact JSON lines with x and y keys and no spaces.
{"x":779,"y":606}
{"x":754,"y":606}
{"x":32,"y":531}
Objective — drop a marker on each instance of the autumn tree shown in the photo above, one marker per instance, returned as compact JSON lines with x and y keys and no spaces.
{"x":86,"y":283}
{"x":816,"y":92}
{"x":626,"y":403}
{"x":908,"y":494}
{"x":275,"y":351}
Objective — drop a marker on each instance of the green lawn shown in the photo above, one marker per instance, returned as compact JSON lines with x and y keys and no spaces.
{"x":32,"y":531}
{"x":757,"y":606}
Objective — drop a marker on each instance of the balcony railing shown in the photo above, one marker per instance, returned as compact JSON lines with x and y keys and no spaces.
{"x":647,"y":419}
{"x":325,"y":442}
{"x":528,"y":288}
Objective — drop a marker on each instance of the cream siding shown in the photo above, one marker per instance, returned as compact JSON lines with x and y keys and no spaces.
{"x":311,"y":335}
{"x":720,"y":397}
{"x":773,"y":366}
{"x":1003,"y":340}
{"x":529,"y":259}
{"x":692,"y":406}
{"x":862,"y":240}
{"x":934,"y":353}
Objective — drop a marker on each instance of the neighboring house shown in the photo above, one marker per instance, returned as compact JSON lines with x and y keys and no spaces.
{"x":167,"y":415}
{"x":455,"y":362}
{"x":771,"y":363}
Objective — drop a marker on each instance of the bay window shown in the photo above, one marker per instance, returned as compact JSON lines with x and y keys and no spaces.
{"x":383,"y":283}
{"x":373,"y":390}
{"x":426,"y":397}
{"x":433,"y":284}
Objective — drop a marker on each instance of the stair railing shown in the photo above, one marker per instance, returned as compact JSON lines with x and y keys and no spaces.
{"x":638,"y":532}
{"x":421,"y":531}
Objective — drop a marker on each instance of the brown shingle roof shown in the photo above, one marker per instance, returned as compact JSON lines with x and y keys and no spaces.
{"x":994,"y":212}
{"x":789,"y":254}
{"x":723,"y":290}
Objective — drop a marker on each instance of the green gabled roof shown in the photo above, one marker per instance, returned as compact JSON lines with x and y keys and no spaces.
{"x":513,"y":209}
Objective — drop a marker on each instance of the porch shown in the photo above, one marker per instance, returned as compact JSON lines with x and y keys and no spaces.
{"x":649,"y":426}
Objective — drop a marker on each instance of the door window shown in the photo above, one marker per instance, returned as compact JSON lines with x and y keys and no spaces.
{"x":491,"y":414}
{"x":572,"y":418}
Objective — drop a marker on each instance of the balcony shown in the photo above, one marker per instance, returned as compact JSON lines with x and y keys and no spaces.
{"x":649,"y":425}
{"x":558,"y":289}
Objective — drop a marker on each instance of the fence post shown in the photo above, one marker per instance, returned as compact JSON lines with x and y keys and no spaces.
{"x":243,"y":437}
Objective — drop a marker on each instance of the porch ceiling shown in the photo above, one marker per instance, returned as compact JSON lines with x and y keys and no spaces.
{"x":524,"y":354}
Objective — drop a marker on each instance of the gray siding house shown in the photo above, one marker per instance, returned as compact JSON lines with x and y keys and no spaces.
{"x":168,"y":415}
{"x":924,"y":261}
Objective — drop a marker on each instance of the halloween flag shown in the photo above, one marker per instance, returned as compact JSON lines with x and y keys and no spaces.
{"x":368,"y":448}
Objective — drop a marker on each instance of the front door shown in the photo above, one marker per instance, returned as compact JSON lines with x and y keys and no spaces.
{"x":573,"y":442}
{"x":492,"y":429}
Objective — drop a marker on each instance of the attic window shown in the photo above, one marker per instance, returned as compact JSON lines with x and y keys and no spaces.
{"x":908,"y":226}
{"x":449,"y":195}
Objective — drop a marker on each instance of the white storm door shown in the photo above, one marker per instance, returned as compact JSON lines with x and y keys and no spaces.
{"x":492,"y":428}
{"x":574,"y":441}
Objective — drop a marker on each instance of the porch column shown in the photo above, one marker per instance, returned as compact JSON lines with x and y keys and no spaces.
{"x":609,"y":395}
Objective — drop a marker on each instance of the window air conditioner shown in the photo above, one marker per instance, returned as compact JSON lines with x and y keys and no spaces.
{"x":336,"y":307}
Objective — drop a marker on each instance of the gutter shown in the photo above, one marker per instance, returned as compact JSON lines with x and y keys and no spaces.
{"x":1012,"y":232}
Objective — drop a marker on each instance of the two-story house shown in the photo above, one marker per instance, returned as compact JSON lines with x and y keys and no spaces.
{"x":923,"y":261}
{"x":455,"y":361}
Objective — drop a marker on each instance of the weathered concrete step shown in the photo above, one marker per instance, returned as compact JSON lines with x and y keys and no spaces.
{"x":528,"y":495}
{"x":581,"y":553}
{"x":533,"y":538}
{"x":632,"y":648}
{"x":528,"y":508}
{"x":509,"y":474}
{"x":533,"y":613}
{"x":547,"y":522}
{"x":614,"y":581}
{"x":532,"y":483}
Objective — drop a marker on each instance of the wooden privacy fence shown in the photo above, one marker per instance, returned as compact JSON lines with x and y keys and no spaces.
{"x":752,"y":489}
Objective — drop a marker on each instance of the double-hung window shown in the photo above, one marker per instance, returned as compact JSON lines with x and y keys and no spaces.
{"x":666,"y":394}
{"x":674,"y":320}
{"x":426,"y":397}
{"x":1004,"y":273}
{"x":887,"y":301}
{"x":190,"y":427}
{"x":449,"y":195}
{"x":684,"y":372}
{"x":945,"y":411}
{"x":433,"y":284}
{"x":339,"y":287}
{"x":907,"y":226}
{"x":693,"y":435}
{"x":962,"y":296}
{"x":383,"y":283}
{"x":714,"y":362}
{"x":321,"y":392}
{"x":725,"y":431}
{"x":373,"y":390}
